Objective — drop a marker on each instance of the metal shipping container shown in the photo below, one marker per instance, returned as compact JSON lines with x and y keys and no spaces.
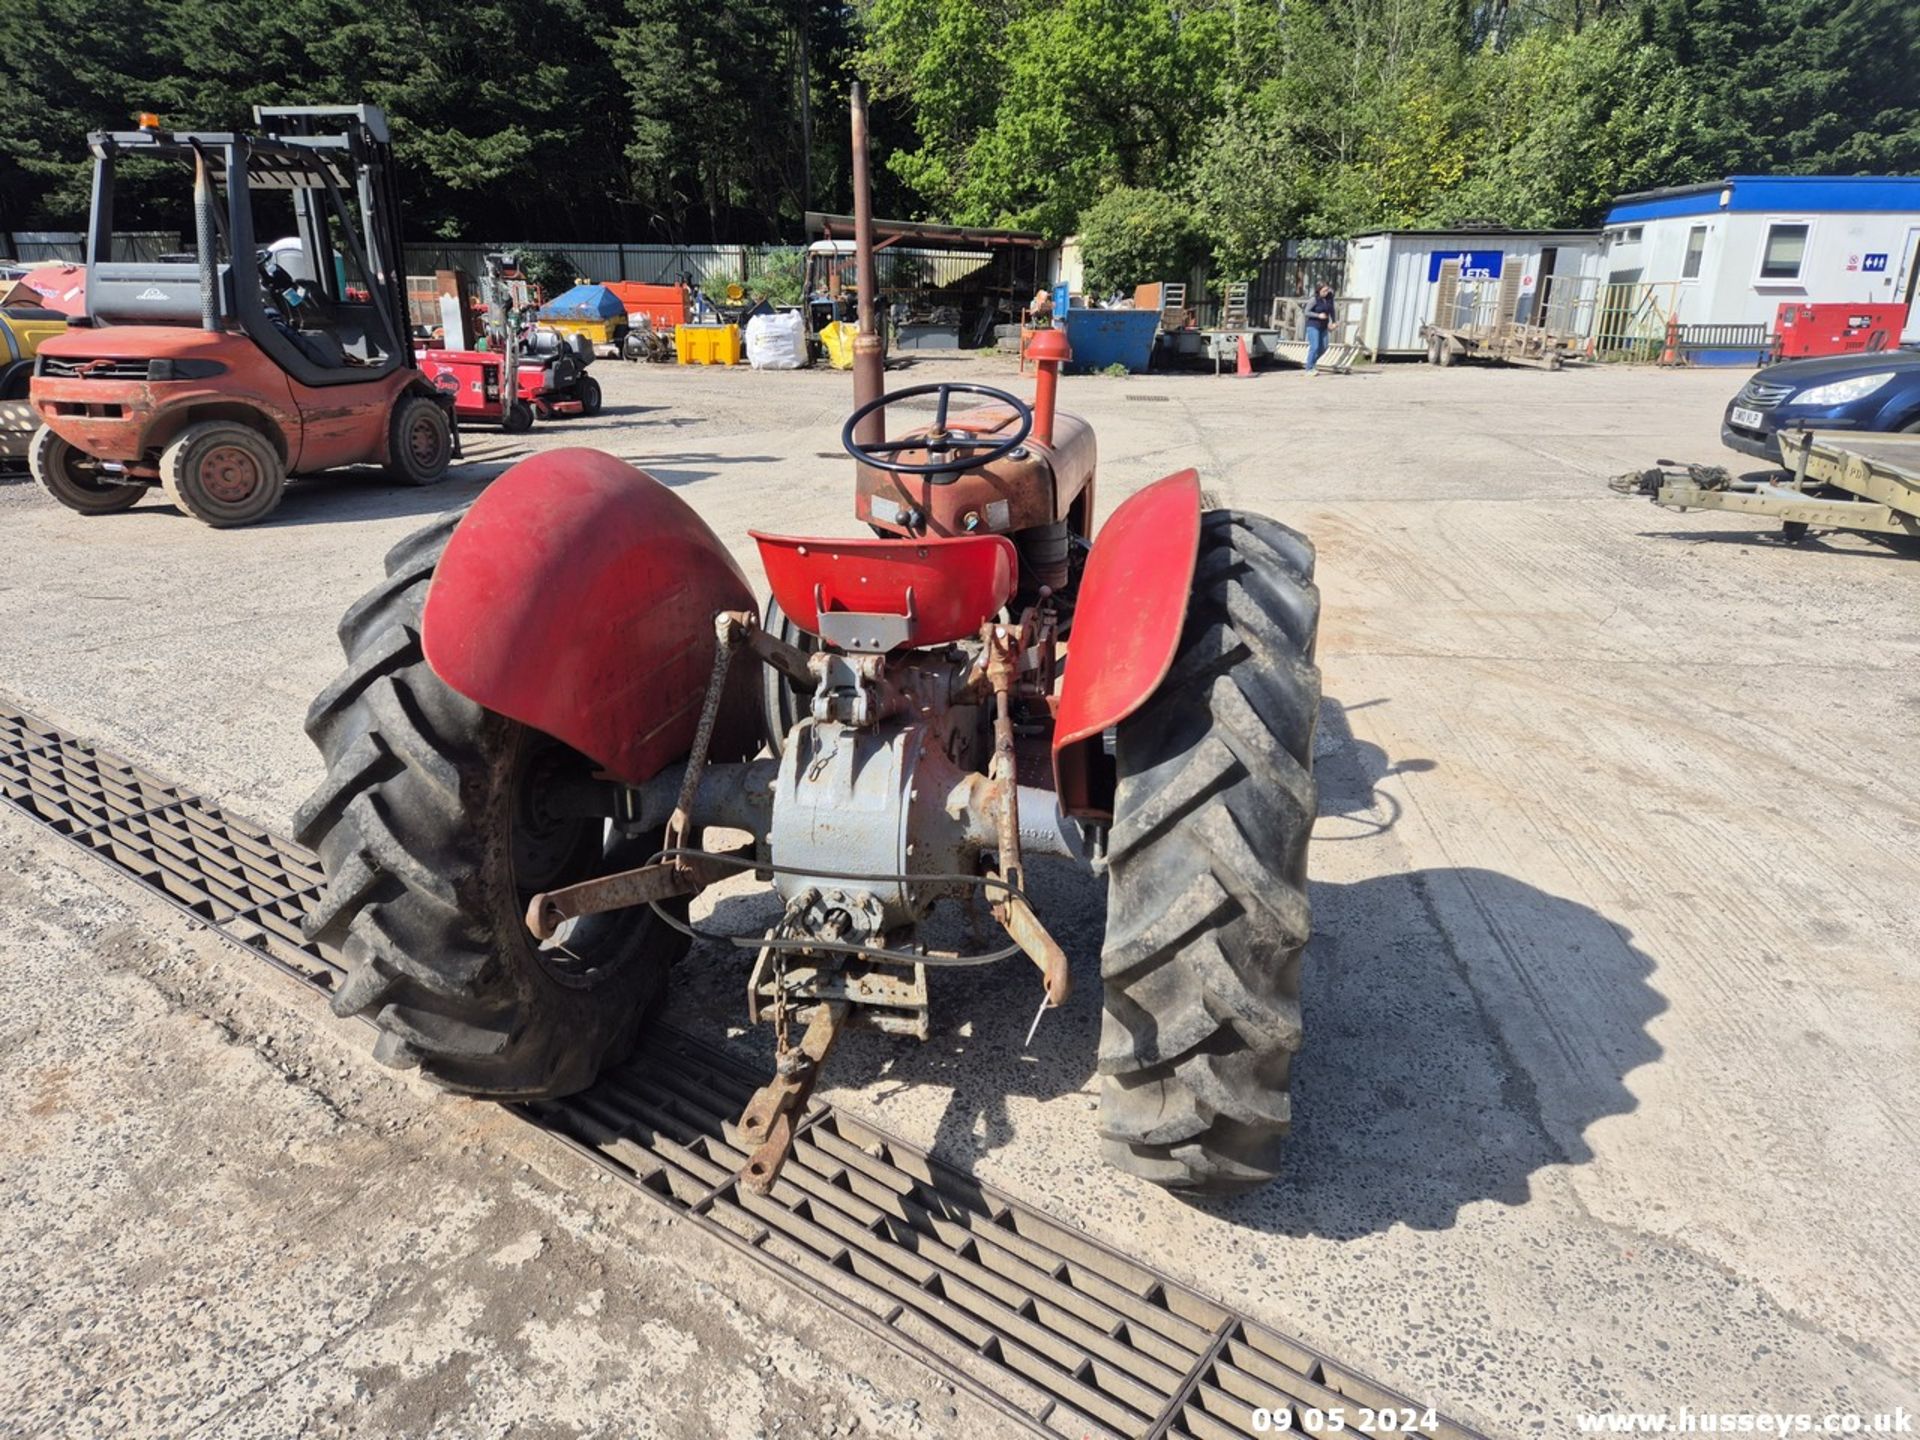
{"x":1396,"y":272}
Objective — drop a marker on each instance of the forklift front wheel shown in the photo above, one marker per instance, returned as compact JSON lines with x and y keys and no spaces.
{"x":74,"y":478}
{"x":519,"y":418}
{"x":419,"y":441}
{"x":223,"y":474}
{"x":589,"y":393}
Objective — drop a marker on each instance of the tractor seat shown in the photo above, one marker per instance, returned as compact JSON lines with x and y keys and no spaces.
{"x":881,"y":595}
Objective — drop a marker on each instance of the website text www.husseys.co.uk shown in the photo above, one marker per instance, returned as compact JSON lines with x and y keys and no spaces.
{"x":1743,"y":1422}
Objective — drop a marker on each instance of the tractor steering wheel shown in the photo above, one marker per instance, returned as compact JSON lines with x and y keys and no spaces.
{"x":982,"y":449}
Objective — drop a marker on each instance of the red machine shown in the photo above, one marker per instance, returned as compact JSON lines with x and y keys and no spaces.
{"x":549,"y":386}
{"x":216,"y":379}
{"x":550,"y":698}
{"x":1824,"y":329}
{"x":550,"y":369}
{"x":471,"y":378}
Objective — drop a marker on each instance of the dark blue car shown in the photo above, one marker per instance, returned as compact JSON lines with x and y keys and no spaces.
{"x":1878,"y":392}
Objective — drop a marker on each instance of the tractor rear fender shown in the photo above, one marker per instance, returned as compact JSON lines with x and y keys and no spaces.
{"x":1127,"y":617}
{"x":578,"y":597}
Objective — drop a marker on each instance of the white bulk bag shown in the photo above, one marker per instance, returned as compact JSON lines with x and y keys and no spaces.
{"x":777,"y":342}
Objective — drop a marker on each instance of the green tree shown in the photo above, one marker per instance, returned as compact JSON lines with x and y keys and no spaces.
{"x":1131,"y":237}
{"x":512,"y":119}
{"x":1086,"y":94}
{"x":565,"y":120}
{"x":1563,"y":123}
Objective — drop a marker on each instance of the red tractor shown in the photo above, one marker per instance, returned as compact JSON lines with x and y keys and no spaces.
{"x":552,"y":696}
{"x":217,"y":376}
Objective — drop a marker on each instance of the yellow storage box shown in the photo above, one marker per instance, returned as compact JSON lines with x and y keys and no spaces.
{"x":707,"y":344}
{"x":598,"y":332}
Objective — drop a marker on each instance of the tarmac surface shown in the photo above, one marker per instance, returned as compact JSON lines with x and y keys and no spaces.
{"x":1610,"y":1097}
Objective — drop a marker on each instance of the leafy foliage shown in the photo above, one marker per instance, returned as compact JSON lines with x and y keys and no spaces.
{"x":513,"y":119}
{"x":685,"y":119}
{"x":780,"y":277}
{"x":1327,"y":117}
{"x":551,"y":272}
{"x":1129,"y":237}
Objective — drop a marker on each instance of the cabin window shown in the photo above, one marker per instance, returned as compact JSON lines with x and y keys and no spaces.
{"x":1785,"y":251}
{"x":1696,"y":246}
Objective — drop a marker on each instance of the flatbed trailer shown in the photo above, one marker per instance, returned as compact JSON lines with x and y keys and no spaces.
{"x":1504,"y":324}
{"x":1529,"y":345}
{"x":1835,"y":481}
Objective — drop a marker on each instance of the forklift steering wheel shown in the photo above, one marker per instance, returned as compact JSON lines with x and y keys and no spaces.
{"x":983,"y":449}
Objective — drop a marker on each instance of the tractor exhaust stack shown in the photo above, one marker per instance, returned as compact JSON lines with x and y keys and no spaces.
{"x":869,"y":363}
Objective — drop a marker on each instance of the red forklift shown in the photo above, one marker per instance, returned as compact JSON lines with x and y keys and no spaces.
{"x":216,"y":376}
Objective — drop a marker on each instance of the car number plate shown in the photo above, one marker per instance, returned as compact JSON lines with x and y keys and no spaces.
{"x":1750,"y":419}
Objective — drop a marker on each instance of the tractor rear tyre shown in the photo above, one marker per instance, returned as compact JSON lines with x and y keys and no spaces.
{"x":1207,"y":863}
{"x":419,"y":441}
{"x":223,"y":474}
{"x":588,"y":392}
{"x":434,"y":830}
{"x":72,"y":477}
{"x":783,"y":702}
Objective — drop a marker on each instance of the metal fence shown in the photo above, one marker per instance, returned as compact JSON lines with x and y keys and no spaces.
{"x":1630,"y":322}
{"x":646,"y":264}
{"x":1756,"y":339}
{"x":710,"y":266}
{"x":40,"y":247}
{"x":1291,"y":272}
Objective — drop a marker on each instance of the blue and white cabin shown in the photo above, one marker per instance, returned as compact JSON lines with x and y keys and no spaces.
{"x":1731,"y":252}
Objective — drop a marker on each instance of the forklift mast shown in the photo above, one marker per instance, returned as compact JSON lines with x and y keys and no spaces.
{"x":363,"y":130}
{"x":330,"y":160}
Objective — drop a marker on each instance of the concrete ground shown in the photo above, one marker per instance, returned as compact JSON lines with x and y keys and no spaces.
{"x":1610,"y":1085}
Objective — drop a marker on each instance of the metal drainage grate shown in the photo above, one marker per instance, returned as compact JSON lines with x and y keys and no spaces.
{"x":1056,"y":1330}
{"x":250,"y":885}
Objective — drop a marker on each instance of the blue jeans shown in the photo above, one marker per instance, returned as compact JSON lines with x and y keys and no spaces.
{"x":1316,"y":344}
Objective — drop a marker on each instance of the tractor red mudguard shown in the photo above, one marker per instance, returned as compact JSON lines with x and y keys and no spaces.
{"x":1127,"y":617}
{"x":577,"y":597}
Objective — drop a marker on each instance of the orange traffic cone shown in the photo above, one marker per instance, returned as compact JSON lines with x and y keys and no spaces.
{"x":1671,"y":355}
{"x":1243,"y":362}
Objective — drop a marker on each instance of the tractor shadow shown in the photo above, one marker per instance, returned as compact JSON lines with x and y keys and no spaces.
{"x":1464,"y":1029}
